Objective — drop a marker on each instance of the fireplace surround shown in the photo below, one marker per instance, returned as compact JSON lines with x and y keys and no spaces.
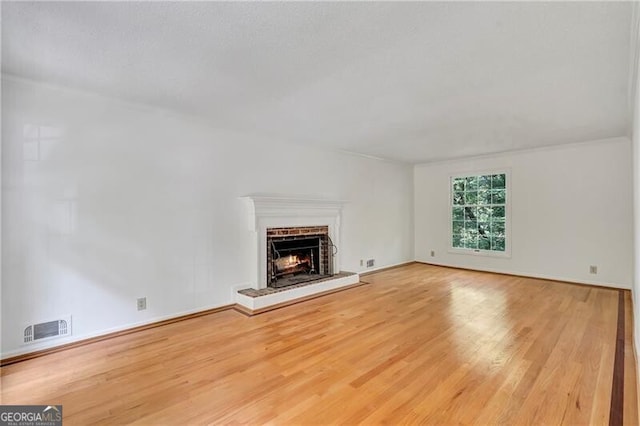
{"x":272,"y":215}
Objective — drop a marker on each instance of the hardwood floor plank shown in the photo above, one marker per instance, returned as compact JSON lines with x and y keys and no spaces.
{"x":630,"y":388}
{"x":419,"y":344}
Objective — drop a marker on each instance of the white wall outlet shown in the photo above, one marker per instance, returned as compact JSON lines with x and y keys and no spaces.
{"x":433,"y":253}
{"x":361,"y":262}
{"x":142,"y":303}
{"x":593,"y":269}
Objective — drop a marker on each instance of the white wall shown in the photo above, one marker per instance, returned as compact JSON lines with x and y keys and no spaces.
{"x":118,"y":201}
{"x":634,"y":93}
{"x":571,"y":208}
{"x":636,"y":224}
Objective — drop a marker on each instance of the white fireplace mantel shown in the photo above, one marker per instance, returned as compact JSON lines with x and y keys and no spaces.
{"x":266,"y":211}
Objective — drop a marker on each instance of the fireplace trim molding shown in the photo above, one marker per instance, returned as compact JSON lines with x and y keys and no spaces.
{"x":265,"y":211}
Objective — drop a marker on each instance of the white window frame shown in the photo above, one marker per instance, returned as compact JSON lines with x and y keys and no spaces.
{"x":507,"y":226}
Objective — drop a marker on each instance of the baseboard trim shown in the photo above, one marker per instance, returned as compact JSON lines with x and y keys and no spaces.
{"x":538,"y":277}
{"x":237,"y":307}
{"x":387,"y":268}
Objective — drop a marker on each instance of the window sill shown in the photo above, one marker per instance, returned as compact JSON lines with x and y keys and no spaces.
{"x":476,"y":252}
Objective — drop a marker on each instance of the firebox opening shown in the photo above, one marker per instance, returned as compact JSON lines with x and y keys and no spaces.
{"x":294,"y":256}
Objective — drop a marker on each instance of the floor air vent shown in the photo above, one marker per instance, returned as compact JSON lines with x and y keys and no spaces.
{"x":47,"y":330}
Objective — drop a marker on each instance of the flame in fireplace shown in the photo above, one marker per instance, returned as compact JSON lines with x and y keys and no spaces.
{"x":292,"y":261}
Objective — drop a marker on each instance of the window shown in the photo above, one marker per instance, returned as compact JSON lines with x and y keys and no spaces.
{"x":479,"y":213}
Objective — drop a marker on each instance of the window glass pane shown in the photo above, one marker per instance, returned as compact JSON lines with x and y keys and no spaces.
{"x":497,"y":244}
{"x":498,"y":196}
{"x":470,"y":197}
{"x":458,"y":213}
{"x":458,"y":198}
{"x":484,"y":182}
{"x":497,"y":229}
{"x":484,"y":243}
{"x":457,"y":241}
{"x":483,"y":228}
{"x":497,"y":213}
{"x":471,"y":226}
{"x":458,"y":184}
{"x":458,"y":227}
{"x":484,"y":196}
{"x":472,"y":183}
{"x":498,"y":181}
{"x":470,"y":213}
{"x":484,"y":214}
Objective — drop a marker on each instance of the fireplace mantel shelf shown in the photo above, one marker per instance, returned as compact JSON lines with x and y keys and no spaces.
{"x":279,"y":206}
{"x":294,"y":199}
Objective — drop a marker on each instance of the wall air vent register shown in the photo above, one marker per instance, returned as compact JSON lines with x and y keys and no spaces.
{"x":47,"y":330}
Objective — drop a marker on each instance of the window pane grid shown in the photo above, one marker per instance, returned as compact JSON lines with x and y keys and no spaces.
{"x":478,"y":212}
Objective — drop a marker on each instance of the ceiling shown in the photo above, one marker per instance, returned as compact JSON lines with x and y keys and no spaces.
{"x":412,"y":82}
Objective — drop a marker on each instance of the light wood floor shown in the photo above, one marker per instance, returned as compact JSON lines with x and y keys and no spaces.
{"x":419,"y":344}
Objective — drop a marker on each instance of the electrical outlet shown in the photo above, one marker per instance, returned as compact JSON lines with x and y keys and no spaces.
{"x":593,"y":269}
{"x":370,"y":263}
{"x":142,"y":303}
{"x":433,"y":253}
{"x":361,"y":262}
